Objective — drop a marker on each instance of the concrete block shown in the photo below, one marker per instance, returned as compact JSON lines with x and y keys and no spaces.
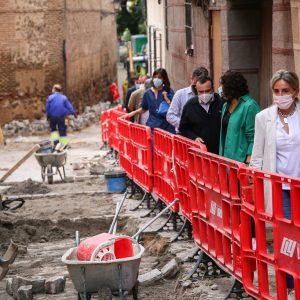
{"x":17,"y":282}
{"x":170,"y":269}
{"x":150,"y":277}
{"x":9,"y":290}
{"x":25,"y":292}
{"x":38,"y":285}
{"x":186,"y":283}
{"x":55,"y":285}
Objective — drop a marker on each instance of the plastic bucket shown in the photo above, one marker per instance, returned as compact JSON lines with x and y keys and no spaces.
{"x":115,"y":181}
{"x":105,"y":247}
{"x":45,"y":146}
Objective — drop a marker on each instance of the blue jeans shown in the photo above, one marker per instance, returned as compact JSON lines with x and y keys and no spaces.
{"x":286,"y":205}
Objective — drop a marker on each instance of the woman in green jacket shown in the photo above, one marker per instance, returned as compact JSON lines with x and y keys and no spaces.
{"x":237,"y":118}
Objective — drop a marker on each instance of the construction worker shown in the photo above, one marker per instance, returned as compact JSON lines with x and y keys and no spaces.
{"x":57,"y":108}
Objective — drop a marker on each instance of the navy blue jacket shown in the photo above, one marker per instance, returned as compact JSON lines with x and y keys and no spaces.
{"x":58,"y":105}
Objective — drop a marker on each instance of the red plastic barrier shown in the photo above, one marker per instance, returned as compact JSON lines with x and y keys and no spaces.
{"x":105,"y":118}
{"x":277,"y":239}
{"x":125,"y":146}
{"x":215,"y":206}
{"x":181,"y":146}
{"x":164,"y":180}
{"x":113,"y":128}
{"x":142,"y":156}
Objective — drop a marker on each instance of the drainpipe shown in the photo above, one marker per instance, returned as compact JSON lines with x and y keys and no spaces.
{"x":150,"y":49}
{"x":154,"y":49}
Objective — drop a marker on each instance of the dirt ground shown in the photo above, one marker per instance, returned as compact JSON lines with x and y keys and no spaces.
{"x":44,"y":227}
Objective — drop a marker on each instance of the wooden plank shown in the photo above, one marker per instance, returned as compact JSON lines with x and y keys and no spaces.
{"x":21,"y":161}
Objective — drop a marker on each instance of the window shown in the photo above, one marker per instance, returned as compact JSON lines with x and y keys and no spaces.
{"x":189,"y":28}
{"x":166,"y":25}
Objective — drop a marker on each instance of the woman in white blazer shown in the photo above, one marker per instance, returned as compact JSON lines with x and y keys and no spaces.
{"x":277,"y":137}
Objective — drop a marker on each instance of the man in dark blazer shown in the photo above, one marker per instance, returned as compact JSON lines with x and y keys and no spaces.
{"x":201,"y":116}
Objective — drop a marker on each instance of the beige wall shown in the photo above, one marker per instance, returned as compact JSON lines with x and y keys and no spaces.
{"x":155,"y":19}
{"x":31,"y":53}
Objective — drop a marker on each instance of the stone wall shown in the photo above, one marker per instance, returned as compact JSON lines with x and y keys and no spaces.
{"x":91,"y":50}
{"x":32,"y":38}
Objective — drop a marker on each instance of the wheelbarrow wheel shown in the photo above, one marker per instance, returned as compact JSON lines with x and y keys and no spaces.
{"x":50,"y":174}
{"x":104,"y":294}
{"x":135,"y":291}
{"x":87,"y":296}
{"x":43,"y":173}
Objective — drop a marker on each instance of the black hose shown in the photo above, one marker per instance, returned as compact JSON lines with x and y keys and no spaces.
{"x":6,"y":203}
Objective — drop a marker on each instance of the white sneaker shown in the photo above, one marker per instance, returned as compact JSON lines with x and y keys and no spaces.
{"x":291,"y":294}
{"x":254,"y":244}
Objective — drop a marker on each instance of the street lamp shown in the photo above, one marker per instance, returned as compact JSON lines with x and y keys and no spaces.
{"x":117,"y":5}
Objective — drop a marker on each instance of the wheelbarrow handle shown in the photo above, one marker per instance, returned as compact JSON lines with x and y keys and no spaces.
{"x":154,"y":219}
{"x":117,"y":213}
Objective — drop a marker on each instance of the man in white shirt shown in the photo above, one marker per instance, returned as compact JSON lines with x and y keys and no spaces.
{"x":182,"y":96}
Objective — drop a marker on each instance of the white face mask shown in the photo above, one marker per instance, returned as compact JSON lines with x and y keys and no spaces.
{"x":157,"y":82}
{"x":205,"y":98}
{"x":283,"y":102}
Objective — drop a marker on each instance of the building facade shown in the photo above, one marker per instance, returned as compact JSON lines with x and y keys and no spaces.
{"x":254,"y":37}
{"x":156,"y":32}
{"x":43,"y":42}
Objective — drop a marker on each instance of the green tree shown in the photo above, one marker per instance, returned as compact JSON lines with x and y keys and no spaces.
{"x":134,"y":21}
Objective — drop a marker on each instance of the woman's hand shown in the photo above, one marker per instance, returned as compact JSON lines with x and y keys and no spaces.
{"x":165,"y":96}
{"x":248,"y":159}
{"x":199,"y":140}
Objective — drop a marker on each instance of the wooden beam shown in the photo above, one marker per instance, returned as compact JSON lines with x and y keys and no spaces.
{"x":21,"y":161}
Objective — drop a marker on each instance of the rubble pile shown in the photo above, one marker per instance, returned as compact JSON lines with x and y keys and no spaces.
{"x":25,"y":128}
{"x":27,"y":187}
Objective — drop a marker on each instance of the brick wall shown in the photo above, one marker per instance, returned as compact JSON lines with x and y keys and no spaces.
{"x":32,"y":35}
{"x":91,"y":44}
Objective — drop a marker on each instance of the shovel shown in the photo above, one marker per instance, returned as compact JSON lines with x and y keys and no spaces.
{"x":8,"y":259}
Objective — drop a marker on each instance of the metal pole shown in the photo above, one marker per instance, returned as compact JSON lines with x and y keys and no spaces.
{"x":154,"y":219}
{"x":154,"y":49}
{"x":116,"y":224}
{"x":117,"y":213}
{"x":150,"y":51}
{"x":160,"y":50}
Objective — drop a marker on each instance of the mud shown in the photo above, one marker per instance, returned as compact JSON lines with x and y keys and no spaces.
{"x":28,"y":186}
{"x":55,"y":217}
